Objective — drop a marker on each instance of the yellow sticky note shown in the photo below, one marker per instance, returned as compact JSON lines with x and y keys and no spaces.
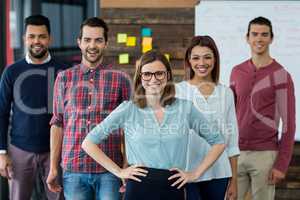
{"x":124,"y":58}
{"x":146,"y":48}
{"x":147,"y":41}
{"x":131,"y":41}
{"x":122,"y":37}
{"x":167,"y":56}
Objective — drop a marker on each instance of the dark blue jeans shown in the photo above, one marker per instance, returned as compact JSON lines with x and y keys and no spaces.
{"x":207,"y":190}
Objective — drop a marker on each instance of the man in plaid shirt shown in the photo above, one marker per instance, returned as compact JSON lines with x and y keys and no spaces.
{"x":83,"y":96}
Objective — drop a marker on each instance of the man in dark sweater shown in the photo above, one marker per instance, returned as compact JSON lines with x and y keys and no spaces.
{"x":26,"y":89}
{"x":264,"y":95}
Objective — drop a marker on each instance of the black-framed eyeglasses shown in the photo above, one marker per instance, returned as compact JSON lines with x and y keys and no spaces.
{"x":159,"y":75}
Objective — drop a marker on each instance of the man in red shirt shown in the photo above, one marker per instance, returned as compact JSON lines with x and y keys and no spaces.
{"x":264,"y":95}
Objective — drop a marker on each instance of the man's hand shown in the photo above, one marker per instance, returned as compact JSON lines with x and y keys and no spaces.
{"x":123,"y":186}
{"x":275,"y":176}
{"x":52,"y":181}
{"x":231,"y":193}
{"x":5,"y":166}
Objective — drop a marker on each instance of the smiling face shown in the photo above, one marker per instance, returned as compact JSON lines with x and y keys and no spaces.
{"x":92,"y":45}
{"x":158,"y":80}
{"x":259,"y":39}
{"x":37,"y":41}
{"x":202,"y":61}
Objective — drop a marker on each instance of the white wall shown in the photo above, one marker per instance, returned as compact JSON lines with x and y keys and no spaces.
{"x":227,"y":22}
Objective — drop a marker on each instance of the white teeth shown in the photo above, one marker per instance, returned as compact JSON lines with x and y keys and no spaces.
{"x":92,"y":53}
{"x":154,"y":84}
{"x":202,"y":69}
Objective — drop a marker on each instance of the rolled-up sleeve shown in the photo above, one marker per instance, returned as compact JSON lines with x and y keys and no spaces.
{"x":58,"y":101}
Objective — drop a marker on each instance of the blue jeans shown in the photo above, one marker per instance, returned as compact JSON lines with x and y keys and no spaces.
{"x":87,"y":186}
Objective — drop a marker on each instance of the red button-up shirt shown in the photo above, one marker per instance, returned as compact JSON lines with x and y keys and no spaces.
{"x":263,"y":97}
{"x":83,"y":98}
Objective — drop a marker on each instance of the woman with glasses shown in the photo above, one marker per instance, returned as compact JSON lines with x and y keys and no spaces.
{"x":216,"y":102}
{"x":156,"y":127}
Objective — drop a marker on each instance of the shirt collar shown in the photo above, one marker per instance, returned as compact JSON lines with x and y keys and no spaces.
{"x":86,"y":69}
{"x":269,"y":66}
{"x":29,"y":60}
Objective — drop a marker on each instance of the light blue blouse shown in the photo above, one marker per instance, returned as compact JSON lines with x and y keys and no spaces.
{"x":219,"y":110}
{"x":152,"y":144}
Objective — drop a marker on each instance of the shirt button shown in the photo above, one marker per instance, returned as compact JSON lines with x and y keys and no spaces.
{"x":91,"y":80}
{"x":88,"y":122}
{"x":89,"y":107}
{"x":91,"y":71}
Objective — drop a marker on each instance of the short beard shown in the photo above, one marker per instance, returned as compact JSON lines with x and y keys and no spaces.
{"x":38,"y":55}
{"x":92,"y":61}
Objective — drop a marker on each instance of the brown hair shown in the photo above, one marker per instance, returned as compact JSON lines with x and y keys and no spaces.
{"x":94,"y":22}
{"x":261,"y":21}
{"x":202,"y":41}
{"x":168,"y":96}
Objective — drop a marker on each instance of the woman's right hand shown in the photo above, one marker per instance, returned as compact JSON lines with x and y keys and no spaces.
{"x":132,"y":172}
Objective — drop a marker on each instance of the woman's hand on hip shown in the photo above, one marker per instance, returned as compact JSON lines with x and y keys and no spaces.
{"x":182,"y":177}
{"x":132,"y":172}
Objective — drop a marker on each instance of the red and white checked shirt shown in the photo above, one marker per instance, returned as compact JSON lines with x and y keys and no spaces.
{"x":83,"y":98}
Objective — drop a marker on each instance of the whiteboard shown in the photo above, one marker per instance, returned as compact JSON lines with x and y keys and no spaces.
{"x":227,"y":22}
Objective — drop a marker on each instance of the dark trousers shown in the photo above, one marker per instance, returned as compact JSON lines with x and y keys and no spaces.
{"x":207,"y":190}
{"x":155,"y":186}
